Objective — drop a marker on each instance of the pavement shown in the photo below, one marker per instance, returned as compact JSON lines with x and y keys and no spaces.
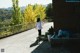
{"x":20,"y":43}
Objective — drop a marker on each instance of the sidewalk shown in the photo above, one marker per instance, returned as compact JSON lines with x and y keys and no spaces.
{"x":20,"y":43}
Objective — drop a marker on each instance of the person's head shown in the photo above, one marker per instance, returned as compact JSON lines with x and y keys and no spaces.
{"x":38,"y":19}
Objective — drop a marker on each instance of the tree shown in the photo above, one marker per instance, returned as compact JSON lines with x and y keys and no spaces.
{"x":29,"y":14}
{"x":32,"y":11}
{"x":40,"y":10}
{"x":16,"y":13}
{"x":49,"y":12}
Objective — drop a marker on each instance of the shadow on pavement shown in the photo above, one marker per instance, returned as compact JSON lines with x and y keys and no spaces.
{"x":45,"y":47}
{"x":35,"y":43}
{"x":38,"y":40}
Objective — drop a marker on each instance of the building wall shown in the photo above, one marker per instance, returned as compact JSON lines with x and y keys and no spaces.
{"x":66,"y":15}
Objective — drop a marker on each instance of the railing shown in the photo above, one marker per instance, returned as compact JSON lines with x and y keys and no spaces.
{"x":8,"y":31}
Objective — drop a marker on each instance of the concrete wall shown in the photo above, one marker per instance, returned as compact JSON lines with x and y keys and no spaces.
{"x":66,"y":15}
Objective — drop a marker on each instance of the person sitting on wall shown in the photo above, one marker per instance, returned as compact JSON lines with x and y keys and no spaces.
{"x":63,"y":33}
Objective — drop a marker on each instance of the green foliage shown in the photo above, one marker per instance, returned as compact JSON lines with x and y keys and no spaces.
{"x":5,"y":14}
{"x":14,"y":21}
{"x":32,"y":11}
{"x":16,"y":13}
{"x":49,"y":12}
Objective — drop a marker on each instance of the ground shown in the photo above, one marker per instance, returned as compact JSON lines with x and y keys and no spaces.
{"x":20,"y":43}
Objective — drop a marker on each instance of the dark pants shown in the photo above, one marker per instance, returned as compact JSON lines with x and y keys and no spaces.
{"x":39,"y":33}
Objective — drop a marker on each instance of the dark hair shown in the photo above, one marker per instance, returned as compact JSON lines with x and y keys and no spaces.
{"x":38,"y":19}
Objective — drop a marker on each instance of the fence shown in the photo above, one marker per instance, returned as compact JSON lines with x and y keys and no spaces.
{"x":10,"y":30}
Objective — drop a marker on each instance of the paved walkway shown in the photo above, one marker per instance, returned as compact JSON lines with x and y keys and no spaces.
{"x":20,"y":43}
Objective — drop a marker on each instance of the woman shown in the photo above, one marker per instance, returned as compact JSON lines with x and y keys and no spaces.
{"x":39,"y":27}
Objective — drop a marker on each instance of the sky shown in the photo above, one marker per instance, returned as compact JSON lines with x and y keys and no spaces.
{"x":8,"y":3}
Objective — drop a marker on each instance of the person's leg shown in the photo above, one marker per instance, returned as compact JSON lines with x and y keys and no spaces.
{"x":39,"y":33}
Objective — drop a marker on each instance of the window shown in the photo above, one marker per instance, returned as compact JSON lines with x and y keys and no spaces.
{"x":72,"y":0}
